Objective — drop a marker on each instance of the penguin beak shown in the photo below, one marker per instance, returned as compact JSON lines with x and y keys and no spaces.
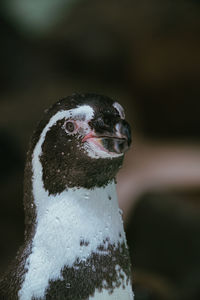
{"x":115,"y":140}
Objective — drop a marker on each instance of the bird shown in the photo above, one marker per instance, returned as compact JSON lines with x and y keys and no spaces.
{"x":75,"y":246}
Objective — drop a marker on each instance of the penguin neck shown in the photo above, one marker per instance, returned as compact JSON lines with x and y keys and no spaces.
{"x":73,"y":215}
{"x":87,"y":214}
{"x":96,"y":201}
{"x":91,"y":201}
{"x":91,"y":215}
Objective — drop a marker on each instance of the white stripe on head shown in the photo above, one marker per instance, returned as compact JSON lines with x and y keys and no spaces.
{"x":38,"y":189}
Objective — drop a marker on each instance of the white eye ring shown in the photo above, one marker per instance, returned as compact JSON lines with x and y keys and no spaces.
{"x":70,"y":126}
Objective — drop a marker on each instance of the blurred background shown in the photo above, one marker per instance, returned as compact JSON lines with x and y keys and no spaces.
{"x":144,"y":54}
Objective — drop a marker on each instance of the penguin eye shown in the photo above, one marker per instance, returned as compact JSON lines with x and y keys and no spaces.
{"x":70,"y":126}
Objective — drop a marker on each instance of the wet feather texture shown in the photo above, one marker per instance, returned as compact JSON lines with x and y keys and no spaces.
{"x":75,"y":246}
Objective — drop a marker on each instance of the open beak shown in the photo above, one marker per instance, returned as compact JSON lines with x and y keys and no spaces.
{"x":117,"y":140}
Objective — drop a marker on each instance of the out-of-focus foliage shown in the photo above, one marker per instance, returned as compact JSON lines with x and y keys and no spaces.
{"x":37,"y":17}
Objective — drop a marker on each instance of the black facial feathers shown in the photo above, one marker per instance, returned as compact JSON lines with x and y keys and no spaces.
{"x":66,"y":165}
{"x":64,"y":162}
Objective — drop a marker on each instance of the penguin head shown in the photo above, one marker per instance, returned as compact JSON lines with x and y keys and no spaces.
{"x":80,"y":142}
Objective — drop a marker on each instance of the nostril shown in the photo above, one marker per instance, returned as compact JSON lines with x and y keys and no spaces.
{"x":120,"y":146}
{"x":125,"y":130}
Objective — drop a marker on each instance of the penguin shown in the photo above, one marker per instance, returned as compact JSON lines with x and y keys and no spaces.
{"x":75,"y":246}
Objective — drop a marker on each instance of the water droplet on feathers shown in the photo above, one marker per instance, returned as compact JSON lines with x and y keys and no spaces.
{"x":104,"y":270}
{"x":114,"y":259}
{"x":83,"y":259}
{"x":68,"y":285}
{"x":87,"y":263}
{"x":57,"y":219}
{"x":86,"y":196}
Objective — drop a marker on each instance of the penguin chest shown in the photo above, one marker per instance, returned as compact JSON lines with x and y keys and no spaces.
{"x":104,"y":274}
{"x":79,"y":251}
